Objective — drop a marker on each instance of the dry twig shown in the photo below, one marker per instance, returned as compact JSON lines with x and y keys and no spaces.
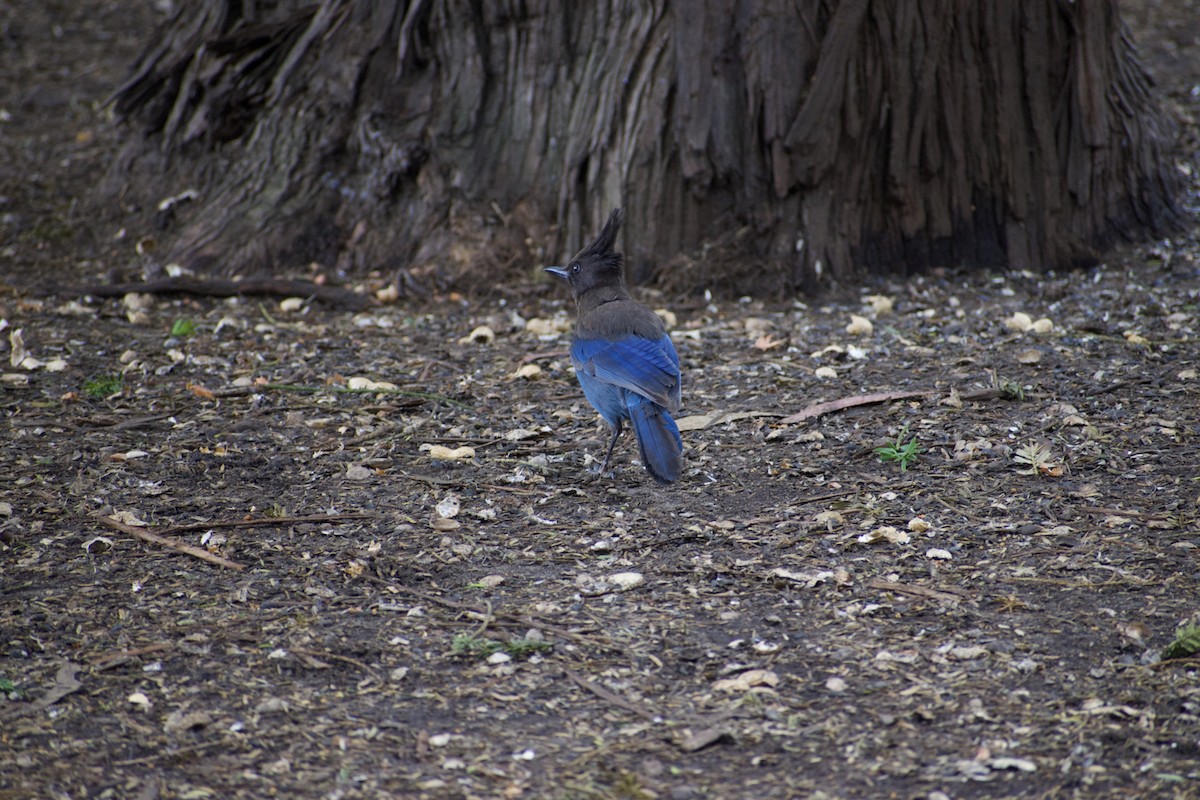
{"x":154,"y":538}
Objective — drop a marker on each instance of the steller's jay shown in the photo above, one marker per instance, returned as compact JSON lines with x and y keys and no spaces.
{"x":625,"y":361}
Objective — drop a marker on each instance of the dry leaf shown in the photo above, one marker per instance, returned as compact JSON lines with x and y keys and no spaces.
{"x":859,"y":326}
{"x":880,"y":304}
{"x":748,"y":680}
{"x":1136,"y":632}
{"x":367,"y":385}
{"x":767,"y":342}
{"x":624,"y":581}
{"x":1019,"y":322}
{"x":617,"y":582}
{"x":179,"y":722}
{"x":528,"y":371}
{"x":200,"y":391}
{"x":98,"y":544}
{"x":1029,"y":356}
{"x":16,"y":341}
{"x":357,"y":472}
{"x":829,"y":519}
{"x":808,"y":579}
{"x":547,"y":327}
{"x":953,"y":400}
{"x":440,"y":453}
{"x":969,"y":652}
{"x":448,"y":507}
{"x":885,"y":534}
{"x":757,"y":325}
{"x":481,"y":335}
{"x":1037,"y":458}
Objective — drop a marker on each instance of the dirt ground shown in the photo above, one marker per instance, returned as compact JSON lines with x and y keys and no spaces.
{"x":244,"y":554}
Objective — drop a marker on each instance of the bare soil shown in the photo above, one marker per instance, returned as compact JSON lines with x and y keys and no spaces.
{"x":332,"y":610}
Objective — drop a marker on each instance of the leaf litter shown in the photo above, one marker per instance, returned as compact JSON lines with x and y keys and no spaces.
{"x":249,"y":564}
{"x":753,"y":609}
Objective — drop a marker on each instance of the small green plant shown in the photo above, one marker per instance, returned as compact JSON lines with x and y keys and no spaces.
{"x":7,"y":686}
{"x":103,"y":386}
{"x":520,"y":648}
{"x":902,"y":452}
{"x":183,"y":328}
{"x":474,"y":646}
{"x":1186,"y":643}
{"x":1012,"y":390}
{"x":469,"y":644}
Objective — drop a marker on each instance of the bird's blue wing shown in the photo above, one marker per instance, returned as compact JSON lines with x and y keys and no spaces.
{"x":649,"y":367}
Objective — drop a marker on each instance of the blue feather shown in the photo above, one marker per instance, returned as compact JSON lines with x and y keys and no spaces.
{"x":637,"y":379}
{"x":658,"y":438}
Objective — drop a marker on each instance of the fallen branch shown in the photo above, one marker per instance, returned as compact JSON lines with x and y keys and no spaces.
{"x":317,"y":664}
{"x":171,"y":544}
{"x":463,"y":483}
{"x":109,"y":660}
{"x":614,"y":698}
{"x":226,"y":287}
{"x":820,"y":409}
{"x":265,"y":522}
{"x":945,"y":595}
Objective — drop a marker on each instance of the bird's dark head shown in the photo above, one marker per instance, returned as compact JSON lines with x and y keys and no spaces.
{"x":598,"y":265}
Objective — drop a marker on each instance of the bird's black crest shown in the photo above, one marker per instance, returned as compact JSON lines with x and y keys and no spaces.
{"x":608,"y":236}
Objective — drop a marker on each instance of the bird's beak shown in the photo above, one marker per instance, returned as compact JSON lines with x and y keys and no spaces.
{"x":559,"y":271}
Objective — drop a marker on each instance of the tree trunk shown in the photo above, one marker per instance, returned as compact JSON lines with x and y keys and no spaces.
{"x":757,"y":145}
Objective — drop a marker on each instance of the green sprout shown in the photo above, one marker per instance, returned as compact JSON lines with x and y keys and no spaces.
{"x":1186,"y":644}
{"x":473,"y":645}
{"x":902,"y":452}
{"x":183,"y":328}
{"x":1012,"y":390}
{"x":519,"y":648}
{"x":103,"y":386}
{"x":467,"y":644}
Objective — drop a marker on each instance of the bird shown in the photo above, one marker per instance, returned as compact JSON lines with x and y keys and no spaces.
{"x":623,"y":356}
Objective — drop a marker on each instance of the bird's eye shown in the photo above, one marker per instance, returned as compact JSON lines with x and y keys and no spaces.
{"x":574,"y":267}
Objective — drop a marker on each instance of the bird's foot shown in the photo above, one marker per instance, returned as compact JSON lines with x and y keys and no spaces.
{"x":604,"y":469}
{"x":598,"y":472}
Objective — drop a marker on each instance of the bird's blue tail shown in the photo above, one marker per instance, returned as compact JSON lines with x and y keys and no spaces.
{"x":658,"y":438}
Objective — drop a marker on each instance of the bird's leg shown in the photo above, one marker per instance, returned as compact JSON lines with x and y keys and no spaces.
{"x":611,"y":444}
